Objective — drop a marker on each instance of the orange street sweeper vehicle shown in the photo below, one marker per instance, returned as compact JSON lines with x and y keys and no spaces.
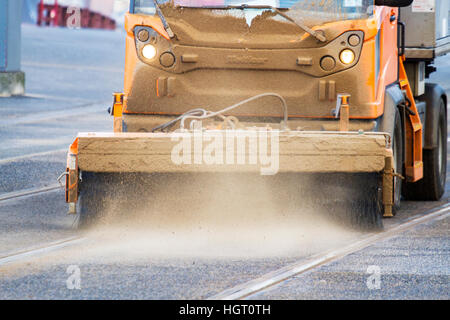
{"x":331,"y":90}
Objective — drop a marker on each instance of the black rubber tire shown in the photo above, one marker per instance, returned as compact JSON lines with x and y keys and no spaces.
{"x":432,"y":186}
{"x":397,"y":147}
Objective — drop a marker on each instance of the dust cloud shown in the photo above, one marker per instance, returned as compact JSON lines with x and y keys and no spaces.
{"x":215,"y":216}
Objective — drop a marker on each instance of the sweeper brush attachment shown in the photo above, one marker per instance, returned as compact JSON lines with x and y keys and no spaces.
{"x":348,"y":174}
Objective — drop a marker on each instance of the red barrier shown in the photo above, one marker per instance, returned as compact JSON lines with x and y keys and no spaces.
{"x":85,"y":18}
{"x":48,"y":14}
{"x":109,"y":24}
{"x":96,"y":21}
{"x":56,"y":15}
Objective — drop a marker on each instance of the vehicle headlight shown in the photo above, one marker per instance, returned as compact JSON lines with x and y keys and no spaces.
{"x":347,"y":56}
{"x":149,"y":51}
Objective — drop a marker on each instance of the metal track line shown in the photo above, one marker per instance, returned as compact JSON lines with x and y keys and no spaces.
{"x":32,"y":155}
{"x":257,"y":285}
{"x":70,"y":67}
{"x":24,"y":254}
{"x":86,"y":108}
{"x":28,"y":192}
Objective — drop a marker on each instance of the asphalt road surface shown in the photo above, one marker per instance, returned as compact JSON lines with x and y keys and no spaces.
{"x":70,"y":77}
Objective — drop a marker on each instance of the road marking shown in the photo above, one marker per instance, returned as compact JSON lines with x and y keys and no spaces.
{"x":31,"y":155}
{"x":70,"y":67}
{"x":57,"y":98}
{"x":273,"y":278}
{"x":28,"y":192}
{"x":96,"y":107}
{"x":28,"y":253}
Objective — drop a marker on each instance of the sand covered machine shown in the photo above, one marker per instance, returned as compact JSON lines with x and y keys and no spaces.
{"x":199,"y":100}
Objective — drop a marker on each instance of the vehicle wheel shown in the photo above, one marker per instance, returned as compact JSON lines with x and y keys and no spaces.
{"x":397,"y":149}
{"x":432,"y":186}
